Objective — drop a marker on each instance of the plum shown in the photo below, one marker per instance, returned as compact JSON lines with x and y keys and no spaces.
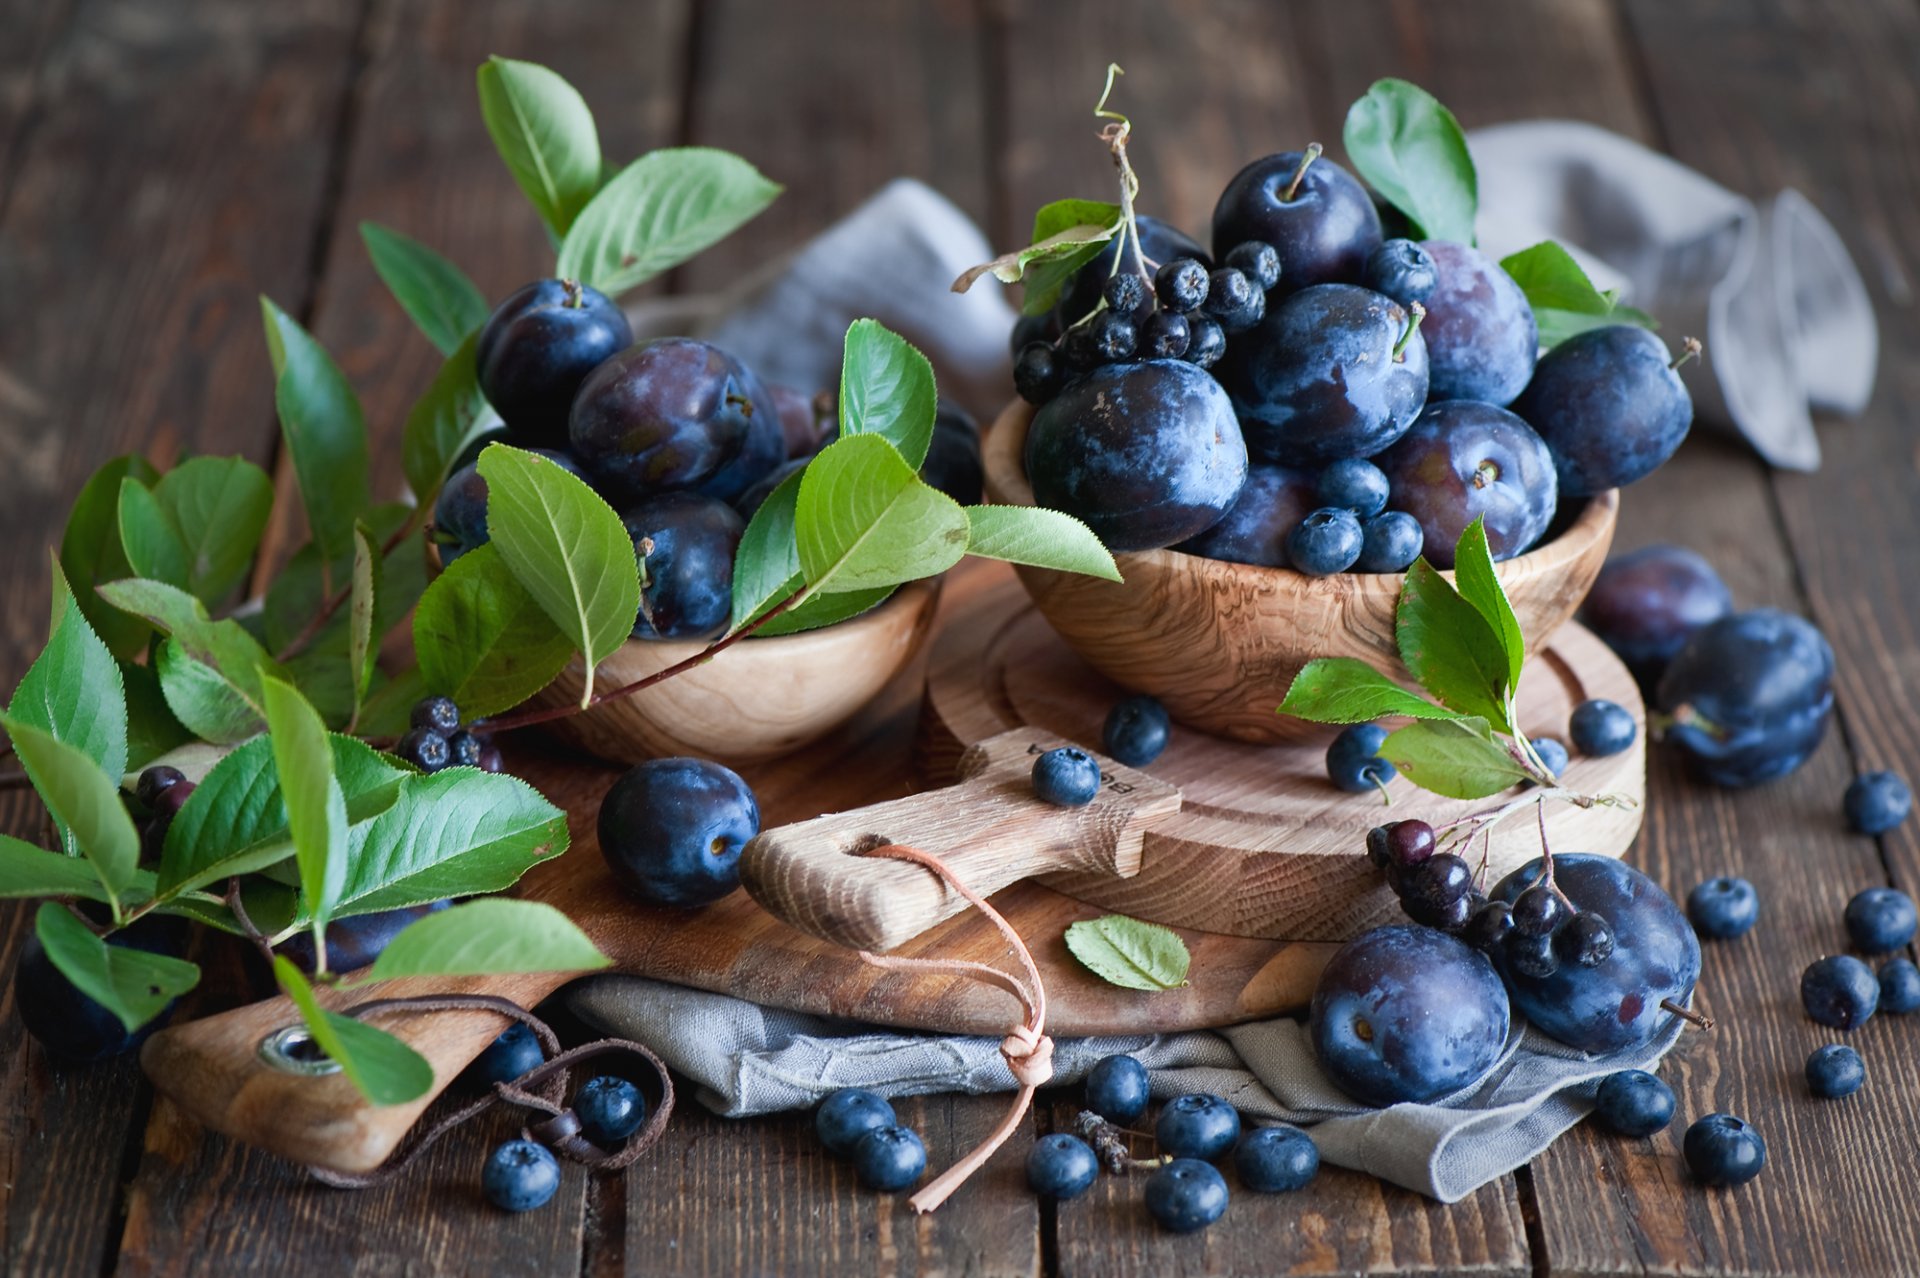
{"x":1749,"y":695}
{"x":1610,"y":405}
{"x":1481,"y":336}
{"x":1334,"y":371}
{"x":1644,"y":605}
{"x":68,"y":1024}
{"x":761,"y":453}
{"x":538,"y":347}
{"x":1314,"y":213}
{"x":1146,"y":454}
{"x":664,"y":415}
{"x":1255,"y":528}
{"x":1407,"y":1014}
{"x":356,"y":941}
{"x":685,"y":544}
{"x":1464,"y":460}
{"x":671,"y":830}
{"x":953,"y":455}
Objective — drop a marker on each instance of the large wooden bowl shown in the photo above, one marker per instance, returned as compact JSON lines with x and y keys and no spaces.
{"x":1220,"y":643}
{"x":760,"y":699}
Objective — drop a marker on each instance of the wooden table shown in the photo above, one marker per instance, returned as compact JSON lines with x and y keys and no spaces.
{"x":162,"y":161}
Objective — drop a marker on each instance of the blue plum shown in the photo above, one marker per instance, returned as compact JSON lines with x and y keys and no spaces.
{"x":1610,"y":406}
{"x":666,"y":414}
{"x":69,"y":1025}
{"x":355,"y":942}
{"x":672,"y":830}
{"x":1314,"y":213}
{"x":1481,"y":336}
{"x":1464,"y":460}
{"x":685,"y":544}
{"x":1645,"y":603}
{"x":1255,"y":528}
{"x":806,"y":421}
{"x":953,"y":455}
{"x":1750,"y":696}
{"x":536,"y":349}
{"x":761,"y":453}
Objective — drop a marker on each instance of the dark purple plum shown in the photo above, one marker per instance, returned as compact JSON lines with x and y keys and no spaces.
{"x":1610,"y":406}
{"x":1146,"y":454}
{"x":685,"y":544}
{"x":672,"y":830}
{"x":355,"y":942}
{"x":1749,"y":696}
{"x":953,"y":455}
{"x":1160,"y":242}
{"x":1615,"y":1003}
{"x":1481,"y":335}
{"x":536,"y":349}
{"x":1407,"y":1014}
{"x":756,"y":496}
{"x":1644,"y":605}
{"x":69,"y":1025}
{"x":1334,"y":371}
{"x":761,"y":452}
{"x":1465,"y":460}
{"x":663,"y":415}
{"x":460,"y":512}
{"x":1255,"y":528}
{"x":807,"y":421}
{"x":1316,"y":215}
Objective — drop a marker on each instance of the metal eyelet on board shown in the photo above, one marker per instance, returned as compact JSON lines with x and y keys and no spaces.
{"x":291,"y":1050}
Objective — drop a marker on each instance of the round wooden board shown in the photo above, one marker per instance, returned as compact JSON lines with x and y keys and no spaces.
{"x":1265,"y":845}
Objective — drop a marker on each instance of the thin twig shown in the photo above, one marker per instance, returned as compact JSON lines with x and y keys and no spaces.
{"x":331,"y":605}
{"x":239,"y":910}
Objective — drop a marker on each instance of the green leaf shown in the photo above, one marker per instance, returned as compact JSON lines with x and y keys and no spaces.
{"x":482,"y":639}
{"x":1126,"y":952}
{"x":316,"y":806}
{"x":152,"y":727}
{"x":224,"y":646}
{"x":1348,"y":690}
{"x":825,"y":610}
{"x":1450,"y":648}
{"x":659,"y":211}
{"x":325,"y":432}
{"x":83,"y":799}
{"x":543,"y":130}
{"x":1042,"y":538}
{"x":1457,"y":758}
{"x":886,"y":389}
{"x":567,"y":547}
{"x":449,"y":417}
{"x":1550,"y":277}
{"x":1477,"y":582}
{"x":91,"y":552}
{"x":361,"y":649}
{"x":217,"y":508}
{"x":865,"y":520}
{"x":385,"y":1070}
{"x":1064,"y":231}
{"x":152,"y":541}
{"x":27,"y":871}
{"x":73,"y":691}
{"x":766,"y":565}
{"x":201,"y":700}
{"x":132,"y":984}
{"x":390,"y":703}
{"x":442,"y":302}
{"x":482,"y":938}
{"x":1410,"y":149}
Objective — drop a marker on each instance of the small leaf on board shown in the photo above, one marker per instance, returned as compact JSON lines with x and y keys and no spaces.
{"x":1039,"y":537}
{"x":485,"y":937}
{"x":444,"y":422}
{"x":865,"y":520}
{"x":543,"y":130}
{"x":1410,"y":149}
{"x":659,"y":211}
{"x":83,"y":799}
{"x":1127,"y":952}
{"x":1348,"y":690}
{"x":315,"y":805}
{"x":384,"y":1070}
{"x":482,"y":639}
{"x":132,"y":984}
{"x":886,"y":389}
{"x":436,"y":295}
{"x":91,"y":552}
{"x":1456,"y":758}
{"x":1450,"y":648}
{"x":324,"y":428}
{"x":1478,"y":582}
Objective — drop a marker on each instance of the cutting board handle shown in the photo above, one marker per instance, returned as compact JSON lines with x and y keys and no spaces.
{"x":989,"y":828}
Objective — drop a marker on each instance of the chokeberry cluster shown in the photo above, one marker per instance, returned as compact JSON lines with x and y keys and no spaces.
{"x":435,"y":739}
{"x":161,"y":792}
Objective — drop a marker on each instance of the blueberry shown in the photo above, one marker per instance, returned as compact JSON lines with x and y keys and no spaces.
{"x":1136,"y":731}
{"x":685,"y":545}
{"x":520,"y":1176}
{"x":1066,"y":777}
{"x":1430,"y":889}
{"x":68,"y":1024}
{"x":1840,"y":992}
{"x":1355,"y":484}
{"x":1234,"y":301}
{"x":1634,"y":1103}
{"x":1880,"y":919}
{"x":1464,"y":460}
{"x":1206,"y":341}
{"x":357,"y":940}
{"x":1117,"y":1089}
{"x":1061,"y":1167}
{"x":1114,"y":337}
{"x":953,"y":456}
{"x":1159,"y":242}
{"x":1610,"y":406}
{"x":1165,"y":335}
{"x":849,"y":1114}
{"x":153,"y":782}
{"x":1481,"y":337}
{"x":1181,"y":285}
{"x":1750,"y":696}
{"x":1723,"y":1150}
{"x":665,"y":414}
{"x":1834,"y":1071}
{"x":1325,"y":543}
{"x":1723,"y":908}
{"x":536,"y":349}
{"x":1038,"y":372}
{"x":1276,"y":1160}
{"x":1145,"y":454}
{"x":1314,"y":213}
{"x":1197,"y":1125}
{"x":1407,"y":1014}
{"x":1402,"y":270}
{"x":1354,"y":762}
{"x":1127,"y":293}
{"x":1551,"y":753}
{"x":425,"y":749}
{"x":1186,"y":1195}
{"x":1389,"y":542}
{"x":1078,"y":350}
{"x":1600,"y":728}
{"x":435,"y":714}
{"x":1645,"y":604}
{"x":610,"y":1109}
{"x":516,"y":1051}
{"x":889,"y":1159}
{"x":1876,"y":802}
{"x":672,"y":830}
{"x":1899,"y":986}
{"x":1255,"y":528}
{"x":1258,"y":261}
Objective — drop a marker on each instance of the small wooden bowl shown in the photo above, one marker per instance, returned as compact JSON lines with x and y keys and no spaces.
{"x":1219,"y":643}
{"x":759,"y":699}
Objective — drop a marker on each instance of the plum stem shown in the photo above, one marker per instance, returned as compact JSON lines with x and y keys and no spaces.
{"x":1690,"y":348}
{"x":1687,"y":1014}
{"x":1415,"y":313}
{"x":576,"y":297}
{"x":1307,"y":157}
{"x":238,"y":909}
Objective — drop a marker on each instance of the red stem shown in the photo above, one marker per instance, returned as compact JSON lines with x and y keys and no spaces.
{"x":332,"y":604}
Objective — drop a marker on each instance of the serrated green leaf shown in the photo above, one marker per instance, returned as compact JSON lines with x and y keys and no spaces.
{"x":887,"y":389}
{"x":1479,"y":584}
{"x":384,"y":1070}
{"x":825,"y":610}
{"x":1063,"y":231}
{"x":315,"y":805}
{"x":1129,"y":953}
{"x":203,"y":702}
{"x":83,"y":799}
{"x":91,"y":552}
{"x":28,"y":871}
{"x":74,"y":693}
{"x":1410,"y":149}
{"x":442,"y":302}
{"x":216,"y":509}
{"x":1550,"y":277}
{"x":132,"y":984}
{"x":486,"y":937}
{"x":567,"y":548}
{"x":766,"y":565}
{"x":659,"y":211}
{"x":543,"y":130}
{"x":361,"y":601}
{"x":152,"y":543}
{"x":482,"y":639}
{"x":864,"y":520}
{"x":1348,"y":690}
{"x":1042,"y":538}
{"x":325,"y":431}
{"x":1457,"y":758}
{"x":152,"y":727}
{"x":222,"y":646}
{"x":1450,"y":648}
{"x":1556,"y":326}
{"x":444,"y":422}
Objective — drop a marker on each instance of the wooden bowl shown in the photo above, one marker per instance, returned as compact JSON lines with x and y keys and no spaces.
{"x":759,"y":699}
{"x":1219,"y":643}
